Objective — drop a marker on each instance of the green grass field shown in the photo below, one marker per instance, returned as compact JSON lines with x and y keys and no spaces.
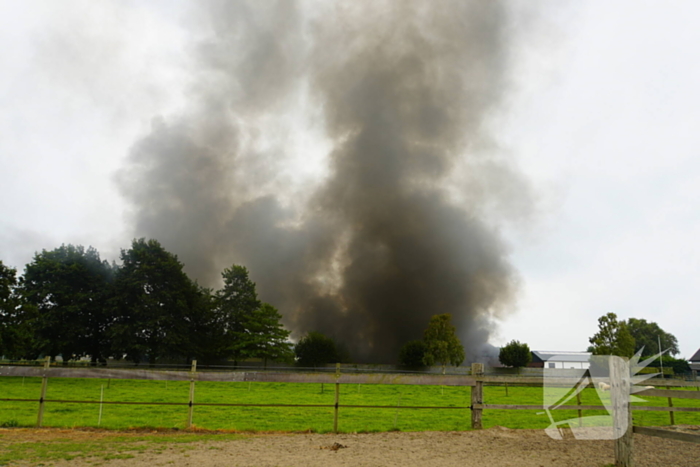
{"x":319,"y":419}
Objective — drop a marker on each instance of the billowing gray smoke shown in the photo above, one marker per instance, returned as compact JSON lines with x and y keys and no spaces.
{"x":398,"y":225}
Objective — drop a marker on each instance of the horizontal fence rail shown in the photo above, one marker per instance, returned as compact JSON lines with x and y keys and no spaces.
{"x":668,"y":434}
{"x":242,"y":376}
{"x":669,"y":393}
{"x":224,"y":404}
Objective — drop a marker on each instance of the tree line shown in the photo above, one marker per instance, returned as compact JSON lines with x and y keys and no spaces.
{"x":616,"y":337}
{"x":627,"y":337}
{"x":70,"y":302}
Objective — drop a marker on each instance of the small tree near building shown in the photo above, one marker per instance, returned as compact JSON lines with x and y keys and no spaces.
{"x":515,"y":355}
{"x":315,"y":349}
{"x":441,"y":343}
{"x":612,"y":338}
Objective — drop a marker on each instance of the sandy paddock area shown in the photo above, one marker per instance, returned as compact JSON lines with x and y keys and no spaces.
{"x":497,"y":447}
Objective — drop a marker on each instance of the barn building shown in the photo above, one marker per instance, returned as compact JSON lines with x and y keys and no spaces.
{"x":560,"y":359}
{"x":695,"y":364}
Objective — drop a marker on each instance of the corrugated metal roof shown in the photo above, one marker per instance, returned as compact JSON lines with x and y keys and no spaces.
{"x":562,"y":356}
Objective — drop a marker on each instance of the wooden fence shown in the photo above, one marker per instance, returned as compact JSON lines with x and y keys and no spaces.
{"x":622,"y":413}
{"x":476,"y":381}
{"x":620,"y":388}
{"x":193,"y":376}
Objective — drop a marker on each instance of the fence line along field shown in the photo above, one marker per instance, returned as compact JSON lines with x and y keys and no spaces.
{"x":235,"y":418}
{"x":301,"y":406}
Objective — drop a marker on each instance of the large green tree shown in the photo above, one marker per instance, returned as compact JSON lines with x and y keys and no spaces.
{"x":206,"y":334}
{"x":157,"y":306}
{"x":612,"y":338}
{"x":16,"y":320}
{"x":8,"y":283}
{"x":515,"y":355}
{"x":266,"y":337}
{"x":441,"y":342}
{"x":69,"y":288}
{"x":647,"y":335}
{"x":235,"y":304}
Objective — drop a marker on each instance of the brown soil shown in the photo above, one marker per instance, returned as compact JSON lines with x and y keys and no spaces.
{"x":497,"y":447}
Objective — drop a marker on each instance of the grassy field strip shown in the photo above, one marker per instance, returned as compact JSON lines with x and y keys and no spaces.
{"x":318,"y":419}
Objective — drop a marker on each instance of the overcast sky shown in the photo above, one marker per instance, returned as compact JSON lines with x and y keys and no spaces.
{"x":602,"y":121}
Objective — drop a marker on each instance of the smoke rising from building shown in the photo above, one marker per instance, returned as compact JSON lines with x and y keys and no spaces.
{"x":398,"y":222}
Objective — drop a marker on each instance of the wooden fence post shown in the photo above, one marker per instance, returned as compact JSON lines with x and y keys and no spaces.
{"x":337,"y":397}
{"x":670,"y":404}
{"x":580,"y":412}
{"x":191,"y":405}
{"x":102,"y":398}
{"x":620,"y":391}
{"x":477,"y":395}
{"x":44,"y":382}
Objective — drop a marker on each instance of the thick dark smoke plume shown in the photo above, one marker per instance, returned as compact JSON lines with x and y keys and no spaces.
{"x":401,"y":225}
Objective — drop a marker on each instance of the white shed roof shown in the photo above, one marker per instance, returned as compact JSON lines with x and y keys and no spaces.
{"x":562,"y":356}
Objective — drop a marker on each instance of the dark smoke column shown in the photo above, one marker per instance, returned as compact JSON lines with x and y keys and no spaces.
{"x":401,"y":228}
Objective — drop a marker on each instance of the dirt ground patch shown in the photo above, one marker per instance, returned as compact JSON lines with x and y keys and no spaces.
{"x":498,"y":447}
